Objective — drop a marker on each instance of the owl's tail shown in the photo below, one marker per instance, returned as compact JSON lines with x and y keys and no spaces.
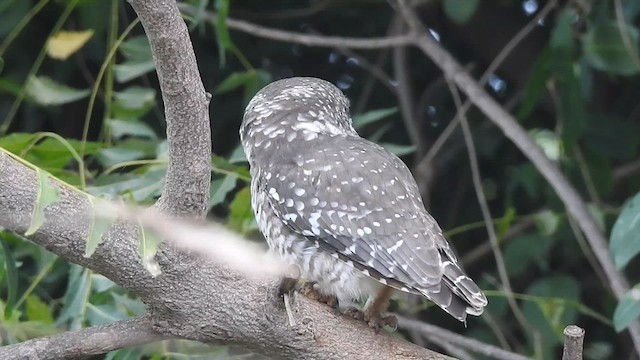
{"x":458,"y":294}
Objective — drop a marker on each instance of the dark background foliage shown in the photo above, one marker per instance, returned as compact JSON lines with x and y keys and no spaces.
{"x":572,"y":82}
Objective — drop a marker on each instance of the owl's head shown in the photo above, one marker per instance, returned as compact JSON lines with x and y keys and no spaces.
{"x":294,"y":109}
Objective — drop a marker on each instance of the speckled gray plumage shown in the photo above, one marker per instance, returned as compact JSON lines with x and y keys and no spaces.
{"x":344,"y":209}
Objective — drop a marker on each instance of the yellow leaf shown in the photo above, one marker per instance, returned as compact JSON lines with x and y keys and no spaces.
{"x":63,"y":44}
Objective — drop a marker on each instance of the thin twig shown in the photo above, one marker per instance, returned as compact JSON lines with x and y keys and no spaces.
{"x":573,"y":339}
{"x":304,"y":39}
{"x":456,"y":339}
{"x":624,"y":33}
{"x":514,"y":131}
{"x":381,"y":60}
{"x":405,"y":95}
{"x":626,"y":170}
{"x":88,"y":341}
{"x":486,"y":215}
{"x":495,"y":64}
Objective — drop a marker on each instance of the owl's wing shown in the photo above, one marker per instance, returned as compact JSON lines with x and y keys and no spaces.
{"x":355,"y":199}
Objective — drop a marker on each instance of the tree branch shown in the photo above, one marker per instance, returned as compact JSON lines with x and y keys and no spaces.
{"x":89,"y":341}
{"x":304,"y":39}
{"x":512,"y":130}
{"x":573,"y":339}
{"x":457,"y":339}
{"x":186,"y":190}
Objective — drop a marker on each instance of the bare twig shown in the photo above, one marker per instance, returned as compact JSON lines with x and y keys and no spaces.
{"x":88,"y":341}
{"x":315,"y":7}
{"x":305,"y":39}
{"x":514,"y":131}
{"x":405,"y":95}
{"x":381,"y":60}
{"x":495,"y":64}
{"x":573,"y":339}
{"x":626,"y":170}
{"x":486,"y":215}
{"x":456,"y":339}
{"x":623,"y":27}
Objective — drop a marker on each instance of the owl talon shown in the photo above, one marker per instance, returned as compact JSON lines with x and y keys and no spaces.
{"x":308,"y":289}
{"x":380,"y":322}
{"x":354,"y":313}
{"x":289,"y":280}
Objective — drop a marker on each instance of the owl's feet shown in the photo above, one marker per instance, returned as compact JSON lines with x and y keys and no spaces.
{"x":375,"y":322}
{"x":308,"y":289}
{"x":289,"y":280}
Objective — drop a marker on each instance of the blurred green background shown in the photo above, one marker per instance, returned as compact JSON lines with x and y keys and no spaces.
{"x":79,"y":99}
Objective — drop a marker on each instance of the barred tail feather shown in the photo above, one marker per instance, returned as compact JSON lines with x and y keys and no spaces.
{"x":460,"y":295}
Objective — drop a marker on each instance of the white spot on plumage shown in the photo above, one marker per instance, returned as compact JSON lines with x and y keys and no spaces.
{"x":299,"y":191}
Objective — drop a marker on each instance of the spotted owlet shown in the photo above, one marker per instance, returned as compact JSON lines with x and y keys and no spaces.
{"x":345,"y":210}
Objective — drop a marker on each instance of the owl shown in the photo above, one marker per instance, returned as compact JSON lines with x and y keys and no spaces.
{"x":343,"y":209}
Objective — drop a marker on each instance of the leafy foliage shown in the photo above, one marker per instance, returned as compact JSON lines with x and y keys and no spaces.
{"x":95,"y":121}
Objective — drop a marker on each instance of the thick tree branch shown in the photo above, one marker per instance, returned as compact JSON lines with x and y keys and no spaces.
{"x":512,"y":129}
{"x":89,"y":341}
{"x":186,"y":190}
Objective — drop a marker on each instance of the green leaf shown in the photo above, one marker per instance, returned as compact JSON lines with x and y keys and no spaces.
{"x":628,"y":309}
{"x":550,"y":316}
{"x":373,"y":116}
{"x":220,"y":188}
{"x":222,"y":31}
{"x":259,"y":81}
{"x":47,"y":195}
{"x":12,"y":276}
{"x":547,"y":222}
{"x":136,"y":48}
{"x":238,"y":155}
{"x":133,"y":102}
{"x":520,"y":252}
{"x":122,"y":128}
{"x":549,"y":142}
{"x":38,"y":310}
{"x":503,"y":224}
{"x":241,"y":218}
{"x":99,"y":226}
{"x":130,"y":70}
{"x":605,"y":49}
{"x":76,"y":297}
{"x":460,"y":11}
{"x":116,"y":155}
{"x":235,"y":80}
{"x":45,"y":91}
{"x":139,"y":59}
{"x":625,"y":235}
{"x":139,"y":188}
{"x":572,"y":108}
{"x":147,"y":250}
{"x":536,"y":85}
{"x":16,"y":142}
